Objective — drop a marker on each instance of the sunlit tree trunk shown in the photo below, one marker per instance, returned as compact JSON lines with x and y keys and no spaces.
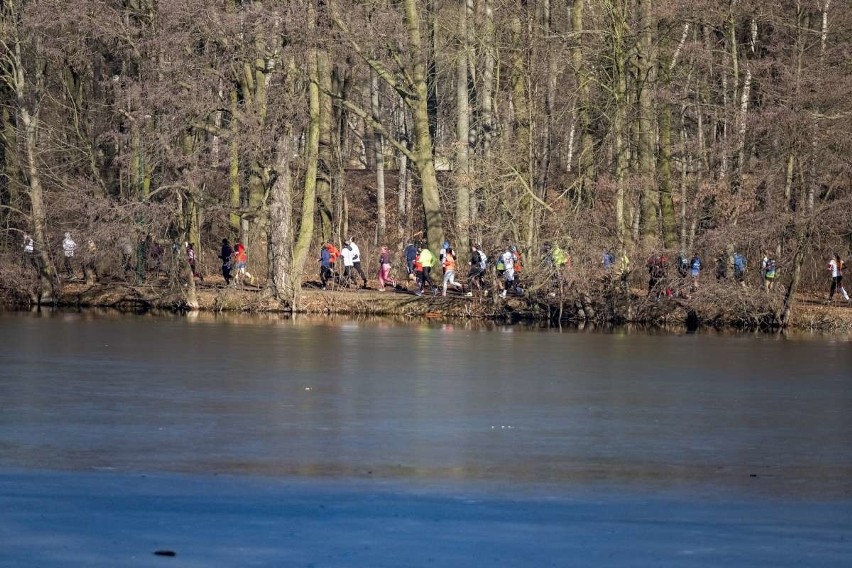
{"x":27,"y":83}
{"x":462,"y":165}
{"x":664,"y":159}
{"x":806,"y":217}
{"x":378,"y":147}
{"x":325,"y":166}
{"x":424,"y":159}
{"x":301,"y":248}
{"x":235,"y":187}
{"x":644,"y":123}
{"x":585,"y":159}
{"x":486,"y":98}
{"x":521,"y":130}
{"x":281,"y":282}
{"x":618,"y":24}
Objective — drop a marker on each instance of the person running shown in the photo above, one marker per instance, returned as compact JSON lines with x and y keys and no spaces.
{"x":69,"y":248}
{"x":769,"y":268}
{"x":334,"y":252}
{"x":29,"y":252}
{"x":193,"y":262}
{"x":657,"y":266}
{"x":507,"y":259}
{"x":418,"y":270}
{"x":695,"y":270}
{"x":348,"y":271}
{"x":240,"y":261}
{"x":384,"y":269}
{"x":90,"y":262}
{"x":476,"y":275}
{"x":410,"y":257}
{"x":721,"y":267}
{"x":442,"y":254}
{"x":427,"y":261}
{"x":835,"y":267}
{"x":449,"y":266}
{"x":326,"y":272}
{"x":608,"y":260}
{"x":356,"y":260}
{"x":739,"y":268}
{"x":560,"y":259}
{"x":518,"y":267}
{"x":225,"y":255}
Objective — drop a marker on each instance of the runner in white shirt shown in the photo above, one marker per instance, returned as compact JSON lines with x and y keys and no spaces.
{"x":346,"y":255}
{"x":836,"y":266}
{"x":509,"y":273}
{"x":356,"y":260}
{"x":69,"y":247}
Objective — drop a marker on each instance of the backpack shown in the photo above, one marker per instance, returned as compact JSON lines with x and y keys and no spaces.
{"x":475,"y":258}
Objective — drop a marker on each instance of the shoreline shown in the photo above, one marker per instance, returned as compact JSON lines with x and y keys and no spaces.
{"x":739,"y":309}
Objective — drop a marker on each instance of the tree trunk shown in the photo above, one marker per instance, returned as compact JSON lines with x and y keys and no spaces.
{"x":28,"y":86}
{"x":619,"y":126}
{"x":486,"y":98}
{"x":585,"y":159}
{"x":280,"y":282}
{"x":378,"y":146}
{"x":235,"y":193}
{"x":645,"y":131}
{"x":325,"y":165}
{"x":521,"y":130}
{"x":462,"y":166}
{"x":424,"y":160}
{"x":301,"y":249}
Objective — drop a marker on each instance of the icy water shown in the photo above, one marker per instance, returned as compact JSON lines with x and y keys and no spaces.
{"x":425,"y":401}
{"x":265,"y":441}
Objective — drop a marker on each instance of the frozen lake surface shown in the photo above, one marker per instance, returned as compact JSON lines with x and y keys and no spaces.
{"x":239,"y":441}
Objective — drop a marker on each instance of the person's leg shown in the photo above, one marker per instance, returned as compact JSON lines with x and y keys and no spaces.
{"x":361,"y":273}
{"x":453,"y":280}
{"x":832,"y":289}
{"x":447,"y":277}
{"x":385,"y":270}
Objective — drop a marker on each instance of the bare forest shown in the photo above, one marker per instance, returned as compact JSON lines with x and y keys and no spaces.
{"x":707,"y":127}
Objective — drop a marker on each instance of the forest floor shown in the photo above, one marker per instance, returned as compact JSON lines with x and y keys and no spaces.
{"x":812,"y":311}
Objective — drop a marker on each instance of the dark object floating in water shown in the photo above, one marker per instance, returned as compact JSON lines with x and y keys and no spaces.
{"x":165,"y":553}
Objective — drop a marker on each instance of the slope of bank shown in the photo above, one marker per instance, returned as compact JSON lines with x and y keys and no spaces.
{"x":718,"y":307}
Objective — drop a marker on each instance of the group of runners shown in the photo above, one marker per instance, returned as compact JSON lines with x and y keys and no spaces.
{"x":689,"y":270}
{"x":422,"y":266}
